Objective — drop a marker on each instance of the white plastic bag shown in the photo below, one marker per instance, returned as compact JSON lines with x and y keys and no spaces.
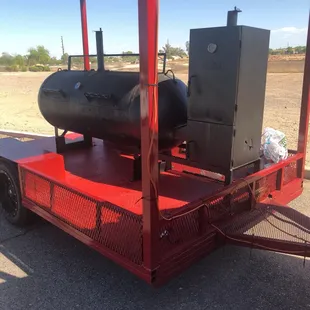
{"x":274,"y":145}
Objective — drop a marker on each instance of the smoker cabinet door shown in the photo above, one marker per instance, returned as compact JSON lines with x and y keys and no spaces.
{"x":213,"y":74}
{"x":210,"y":145}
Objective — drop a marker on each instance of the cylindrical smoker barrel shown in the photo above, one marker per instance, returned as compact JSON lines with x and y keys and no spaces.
{"x":106,"y":105}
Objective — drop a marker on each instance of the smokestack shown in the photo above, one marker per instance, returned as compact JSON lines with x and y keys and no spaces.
{"x":100,"y":54}
{"x":232,"y":17}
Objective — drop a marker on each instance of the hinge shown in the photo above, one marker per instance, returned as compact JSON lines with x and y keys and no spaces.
{"x":236,"y":107}
{"x":234,"y":132}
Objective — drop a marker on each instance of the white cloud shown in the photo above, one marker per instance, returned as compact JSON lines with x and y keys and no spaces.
{"x":288,"y":36}
{"x":290,"y":30}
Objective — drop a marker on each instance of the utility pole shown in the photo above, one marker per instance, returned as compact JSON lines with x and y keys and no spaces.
{"x":62,"y":46}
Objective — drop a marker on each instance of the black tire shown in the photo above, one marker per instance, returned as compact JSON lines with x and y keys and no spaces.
{"x":10,"y":195}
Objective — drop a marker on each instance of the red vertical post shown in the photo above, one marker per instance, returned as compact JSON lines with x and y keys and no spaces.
{"x":305,"y":105}
{"x":148,"y":48}
{"x":84,"y":34}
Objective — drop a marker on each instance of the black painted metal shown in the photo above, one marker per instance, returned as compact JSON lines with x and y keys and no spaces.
{"x":100,"y":53}
{"x":232,"y":17}
{"x":106,"y":105}
{"x":227,"y":68}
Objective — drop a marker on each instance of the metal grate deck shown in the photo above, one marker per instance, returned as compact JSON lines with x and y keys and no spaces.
{"x":272,"y":227}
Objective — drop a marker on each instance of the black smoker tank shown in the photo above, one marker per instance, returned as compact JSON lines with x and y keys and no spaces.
{"x":227,"y":78}
{"x":106,"y":105}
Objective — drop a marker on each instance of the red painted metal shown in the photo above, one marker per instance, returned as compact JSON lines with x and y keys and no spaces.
{"x":158,"y":227}
{"x":148,"y":45}
{"x":103,"y":175}
{"x":84,"y":34}
{"x":70,"y":189}
{"x":305,"y":105}
{"x":262,"y":228}
{"x":136,"y":269}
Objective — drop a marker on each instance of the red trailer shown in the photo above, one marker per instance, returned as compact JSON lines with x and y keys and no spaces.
{"x":159,"y":223}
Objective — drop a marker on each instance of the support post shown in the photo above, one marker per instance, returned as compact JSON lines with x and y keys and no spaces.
{"x":84,"y":34}
{"x":305,"y":107}
{"x":148,"y":47}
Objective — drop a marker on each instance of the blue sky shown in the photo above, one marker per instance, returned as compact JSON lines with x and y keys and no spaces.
{"x":26,"y":23}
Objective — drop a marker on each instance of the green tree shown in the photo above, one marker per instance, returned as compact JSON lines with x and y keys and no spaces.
{"x":54,"y":61}
{"x":32,"y":57}
{"x":300,"y":49}
{"x":19,"y":60}
{"x":6,"y":59}
{"x":178,"y":51}
{"x":44,"y":54}
{"x":64,"y":58}
{"x":172,"y":51}
{"x":38,"y":55}
{"x":290,"y":50}
{"x":129,"y":58}
{"x":187,"y":46}
{"x":167,"y":48}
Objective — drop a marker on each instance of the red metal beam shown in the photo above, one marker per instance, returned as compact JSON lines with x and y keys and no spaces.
{"x":119,"y":259}
{"x":305,"y":104}
{"x":84,"y":34}
{"x":148,"y":46}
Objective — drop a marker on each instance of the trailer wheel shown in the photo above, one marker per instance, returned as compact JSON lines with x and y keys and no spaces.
{"x":10,"y":195}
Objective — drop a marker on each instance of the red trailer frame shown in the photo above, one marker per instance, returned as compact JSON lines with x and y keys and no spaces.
{"x":160,"y":226}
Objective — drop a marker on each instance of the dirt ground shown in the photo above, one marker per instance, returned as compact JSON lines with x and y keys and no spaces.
{"x":19,"y":109}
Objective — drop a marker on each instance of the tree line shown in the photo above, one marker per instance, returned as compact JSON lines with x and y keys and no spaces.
{"x":171,"y":53}
{"x":39,"y":58}
{"x":290,"y":50}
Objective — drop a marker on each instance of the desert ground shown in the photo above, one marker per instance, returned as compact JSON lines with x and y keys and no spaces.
{"x":19,"y":109}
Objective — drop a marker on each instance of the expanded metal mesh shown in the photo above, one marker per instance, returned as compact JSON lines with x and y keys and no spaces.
{"x":265,"y":186}
{"x":120,"y":231}
{"x":111,"y":226}
{"x":272,"y":223}
{"x":179,"y":231}
{"x":290,"y":173}
{"x":36,"y":190}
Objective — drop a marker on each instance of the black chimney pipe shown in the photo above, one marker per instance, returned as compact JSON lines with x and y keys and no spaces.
{"x":100,"y":54}
{"x":232,"y":17}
